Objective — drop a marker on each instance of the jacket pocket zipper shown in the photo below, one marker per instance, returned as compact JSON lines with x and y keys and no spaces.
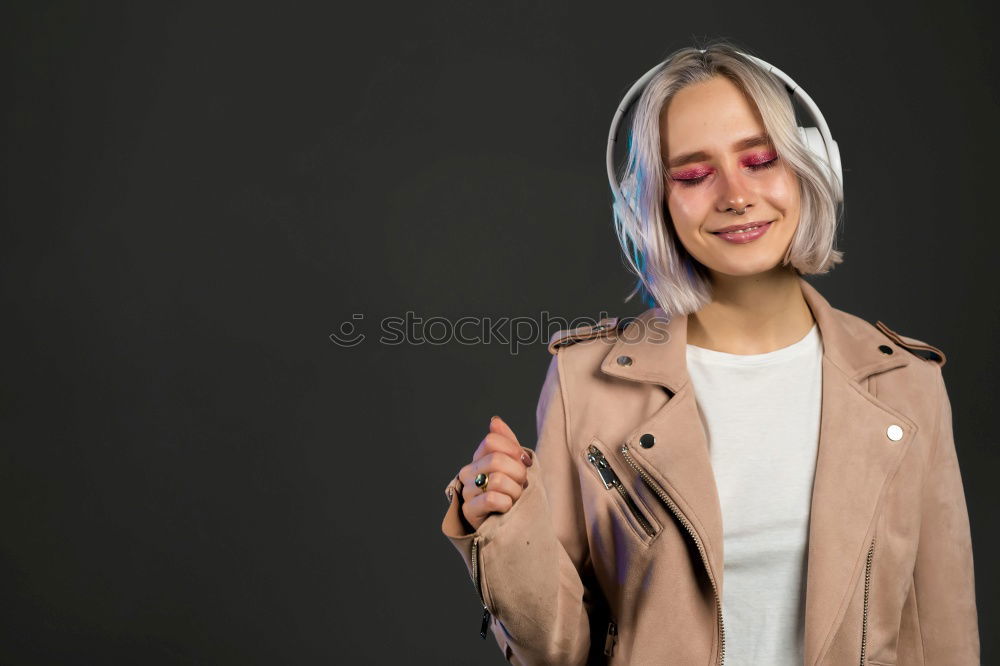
{"x":864,"y":614}
{"x":655,"y":487}
{"x":611,"y":480}
{"x":476,"y":574}
{"x":612,"y":638}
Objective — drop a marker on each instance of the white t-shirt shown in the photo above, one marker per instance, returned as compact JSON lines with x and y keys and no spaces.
{"x":762,"y":414}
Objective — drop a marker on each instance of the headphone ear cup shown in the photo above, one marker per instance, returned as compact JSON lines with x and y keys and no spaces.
{"x":812,"y":138}
{"x":814,"y":141}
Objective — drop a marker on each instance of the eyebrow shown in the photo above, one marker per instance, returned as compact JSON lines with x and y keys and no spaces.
{"x":742,"y":144}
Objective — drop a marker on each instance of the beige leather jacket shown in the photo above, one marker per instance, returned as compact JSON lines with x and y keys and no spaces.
{"x":613,"y":554}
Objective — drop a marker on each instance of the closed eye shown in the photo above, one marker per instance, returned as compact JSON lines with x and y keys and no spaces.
{"x":691,"y":182}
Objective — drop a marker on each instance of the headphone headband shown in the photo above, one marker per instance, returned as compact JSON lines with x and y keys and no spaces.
{"x":818,"y":139}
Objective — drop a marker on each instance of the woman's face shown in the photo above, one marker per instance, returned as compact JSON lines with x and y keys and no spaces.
{"x":717,"y":157}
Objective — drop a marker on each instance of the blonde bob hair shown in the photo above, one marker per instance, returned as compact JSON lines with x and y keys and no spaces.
{"x":668,"y":276}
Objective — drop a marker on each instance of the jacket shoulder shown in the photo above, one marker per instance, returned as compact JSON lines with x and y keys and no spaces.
{"x":924,"y":350}
{"x":609,"y":327}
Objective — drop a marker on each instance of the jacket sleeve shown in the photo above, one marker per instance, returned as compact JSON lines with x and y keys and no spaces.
{"x":943,"y":576}
{"x":529,"y":560}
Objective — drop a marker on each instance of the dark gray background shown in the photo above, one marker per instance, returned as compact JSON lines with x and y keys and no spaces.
{"x":195,"y":197}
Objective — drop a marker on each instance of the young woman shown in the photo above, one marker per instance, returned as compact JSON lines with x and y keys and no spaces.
{"x":742,"y":473}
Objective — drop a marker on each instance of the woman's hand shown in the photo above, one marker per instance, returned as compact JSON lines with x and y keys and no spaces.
{"x":500,"y":455}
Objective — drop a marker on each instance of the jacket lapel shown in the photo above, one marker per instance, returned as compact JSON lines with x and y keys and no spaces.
{"x":679,"y":460}
{"x":854,"y":460}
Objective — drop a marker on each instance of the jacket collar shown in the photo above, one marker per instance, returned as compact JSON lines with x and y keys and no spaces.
{"x":656,"y":345}
{"x":854,"y":460}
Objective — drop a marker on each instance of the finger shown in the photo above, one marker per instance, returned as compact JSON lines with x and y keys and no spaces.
{"x":483,"y":504}
{"x":499,"y":426}
{"x":501,"y":462}
{"x":495,"y":442}
{"x":490,"y":464}
{"x":499,"y":482}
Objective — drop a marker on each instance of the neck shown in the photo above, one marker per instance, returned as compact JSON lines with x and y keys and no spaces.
{"x":752,"y":314}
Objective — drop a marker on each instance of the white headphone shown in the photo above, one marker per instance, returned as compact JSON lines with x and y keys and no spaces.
{"x":818,"y":139}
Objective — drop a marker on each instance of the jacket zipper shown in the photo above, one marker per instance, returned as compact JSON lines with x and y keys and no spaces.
{"x":611,"y":480}
{"x":864,"y":615}
{"x":479,"y":590}
{"x":655,"y":487}
{"x":612,"y":638}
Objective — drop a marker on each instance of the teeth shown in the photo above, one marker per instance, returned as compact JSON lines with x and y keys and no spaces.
{"x":741,"y":231}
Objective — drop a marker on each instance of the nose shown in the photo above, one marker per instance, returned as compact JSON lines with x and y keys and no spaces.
{"x":734,"y":191}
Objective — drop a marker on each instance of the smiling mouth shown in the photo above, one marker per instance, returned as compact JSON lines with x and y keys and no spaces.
{"x":743,"y":230}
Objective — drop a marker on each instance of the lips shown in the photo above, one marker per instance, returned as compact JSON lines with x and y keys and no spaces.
{"x":741,"y":227}
{"x":749,"y":234}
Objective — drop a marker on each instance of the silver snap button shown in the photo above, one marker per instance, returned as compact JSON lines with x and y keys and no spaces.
{"x":894,"y":432}
{"x":624,"y":360}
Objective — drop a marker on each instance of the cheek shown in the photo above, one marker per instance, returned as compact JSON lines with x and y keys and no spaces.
{"x":687,"y":208}
{"x":783,"y":190}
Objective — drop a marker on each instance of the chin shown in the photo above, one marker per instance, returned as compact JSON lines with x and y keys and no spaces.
{"x":745,"y":267}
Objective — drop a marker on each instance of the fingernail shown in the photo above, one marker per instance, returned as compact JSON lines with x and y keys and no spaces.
{"x":526,"y":459}
{"x":493,"y":417}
